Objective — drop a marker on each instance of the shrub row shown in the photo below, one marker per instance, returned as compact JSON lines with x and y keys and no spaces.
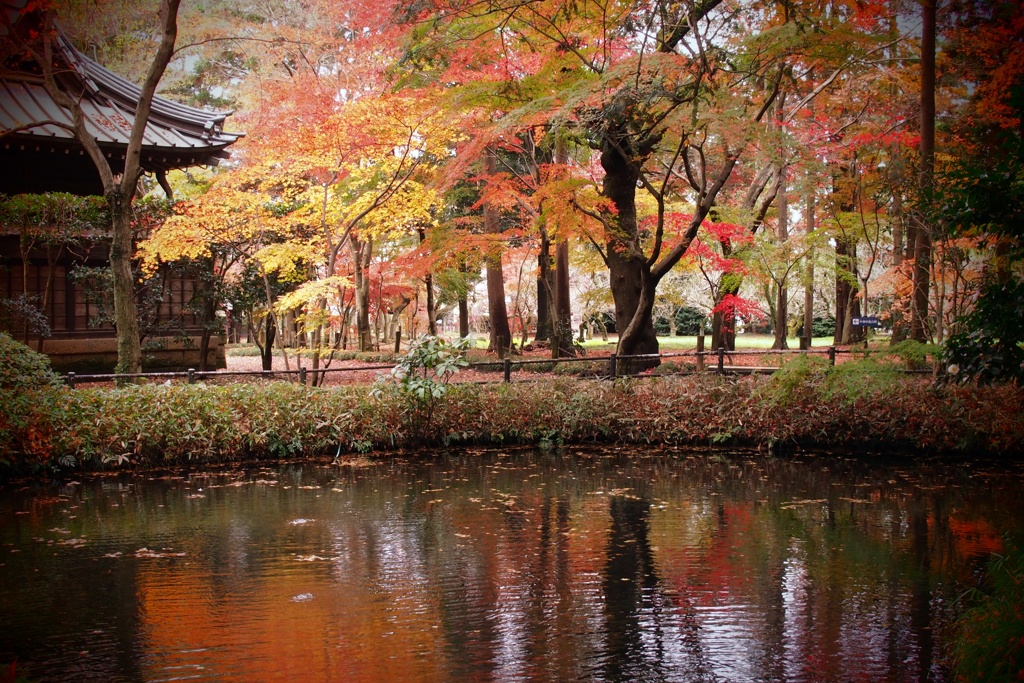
{"x":55,"y":427}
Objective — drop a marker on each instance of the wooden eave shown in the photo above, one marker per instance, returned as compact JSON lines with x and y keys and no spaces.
{"x":47,"y":157}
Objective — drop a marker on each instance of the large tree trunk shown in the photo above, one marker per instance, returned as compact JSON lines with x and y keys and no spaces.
{"x":847,"y":304}
{"x":269,"y":333}
{"x":126,"y":315}
{"x":723,"y":323}
{"x":209,"y":316}
{"x":269,"y":328}
{"x":463,"y":308}
{"x":631,"y":285}
{"x":809,"y":274}
{"x":923,"y":235}
{"x":782,"y":302}
{"x":561,"y":312}
{"x":428,"y":282}
{"x":361,"y":261}
{"x":545,"y":288}
{"x":562,"y":342}
{"x":501,"y":333}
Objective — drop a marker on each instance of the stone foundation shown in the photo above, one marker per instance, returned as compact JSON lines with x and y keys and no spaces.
{"x":99,"y":355}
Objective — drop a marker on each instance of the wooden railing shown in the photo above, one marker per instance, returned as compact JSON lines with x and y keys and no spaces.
{"x":704,"y":361}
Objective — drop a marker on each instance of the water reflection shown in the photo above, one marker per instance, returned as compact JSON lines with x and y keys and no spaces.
{"x":593,"y":565}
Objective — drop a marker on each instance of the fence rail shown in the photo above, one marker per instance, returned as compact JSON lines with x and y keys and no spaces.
{"x":506,"y":366}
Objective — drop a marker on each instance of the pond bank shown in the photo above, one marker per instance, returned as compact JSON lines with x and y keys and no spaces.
{"x":154,"y":425}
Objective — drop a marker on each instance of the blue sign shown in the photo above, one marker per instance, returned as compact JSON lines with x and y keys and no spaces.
{"x":866,"y":321}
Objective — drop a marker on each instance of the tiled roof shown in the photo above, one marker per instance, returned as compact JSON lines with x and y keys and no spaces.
{"x":176,"y":135}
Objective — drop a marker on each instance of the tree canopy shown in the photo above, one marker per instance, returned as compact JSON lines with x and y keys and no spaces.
{"x":740,"y":150}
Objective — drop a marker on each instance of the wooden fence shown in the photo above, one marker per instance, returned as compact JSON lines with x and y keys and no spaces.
{"x":703,"y":361}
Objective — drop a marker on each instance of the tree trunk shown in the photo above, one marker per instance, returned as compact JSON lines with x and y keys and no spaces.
{"x":118,"y":190}
{"x":463,"y":308}
{"x":842,"y":290}
{"x":809,"y":274}
{"x":631,"y":285}
{"x":723,"y":323}
{"x":501,"y":333}
{"x":563,"y":303}
{"x":269,"y":327}
{"x":267,"y":352}
{"x":561,"y":317}
{"x":126,"y":315}
{"x":209,"y":315}
{"x":428,"y":282}
{"x":923,"y":235}
{"x":545,"y":289}
{"x":361,"y":261}
{"x":782,"y":302}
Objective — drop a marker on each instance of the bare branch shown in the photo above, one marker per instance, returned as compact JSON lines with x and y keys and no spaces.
{"x":133,"y":154}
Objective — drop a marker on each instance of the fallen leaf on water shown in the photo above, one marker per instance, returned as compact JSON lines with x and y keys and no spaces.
{"x":794,"y":503}
{"x":73,"y":542}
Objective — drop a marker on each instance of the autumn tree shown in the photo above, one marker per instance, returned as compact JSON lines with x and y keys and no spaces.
{"x":638,"y":83}
{"x":221,"y":231}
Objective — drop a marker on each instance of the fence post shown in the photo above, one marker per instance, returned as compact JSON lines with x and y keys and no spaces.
{"x":398,"y":340}
{"x":508,"y":370}
{"x":302,"y":374}
{"x":721,"y":360}
{"x":700,"y":353}
{"x":613,"y":366}
{"x":832,"y":356}
{"x":191,"y":375}
{"x":71,"y":380}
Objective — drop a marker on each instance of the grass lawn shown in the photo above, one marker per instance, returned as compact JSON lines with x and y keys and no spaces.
{"x":743,"y":341}
{"x":666,"y":344}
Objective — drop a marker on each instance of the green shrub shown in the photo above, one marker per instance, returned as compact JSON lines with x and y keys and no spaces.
{"x":671,"y":367}
{"x":990,"y":346}
{"x":538,"y":367}
{"x":807,"y":378}
{"x":989,"y":645}
{"x":157,"y":425}
{"x":798,"y":379}
{"x":23,"y":368}
{"x":855,"y":380}
{"x":913,"y":353}
{"x":424,"y":371}
{"x":591,"y":368}
{"x":823,"y":327}
{"x":691,"y":321}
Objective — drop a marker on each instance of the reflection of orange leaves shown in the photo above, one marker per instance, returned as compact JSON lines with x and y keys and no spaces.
{"x":975,"y":537}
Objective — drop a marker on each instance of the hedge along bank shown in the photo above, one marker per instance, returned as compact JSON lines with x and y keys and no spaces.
{"x":55,"y":428}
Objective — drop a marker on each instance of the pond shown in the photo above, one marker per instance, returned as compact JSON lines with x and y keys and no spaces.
{"x":591,"y":564}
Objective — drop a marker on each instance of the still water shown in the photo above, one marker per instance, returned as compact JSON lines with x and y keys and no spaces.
{"x":604,"y":565}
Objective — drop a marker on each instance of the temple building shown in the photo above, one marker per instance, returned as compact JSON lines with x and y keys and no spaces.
{"x":39,"y":154}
